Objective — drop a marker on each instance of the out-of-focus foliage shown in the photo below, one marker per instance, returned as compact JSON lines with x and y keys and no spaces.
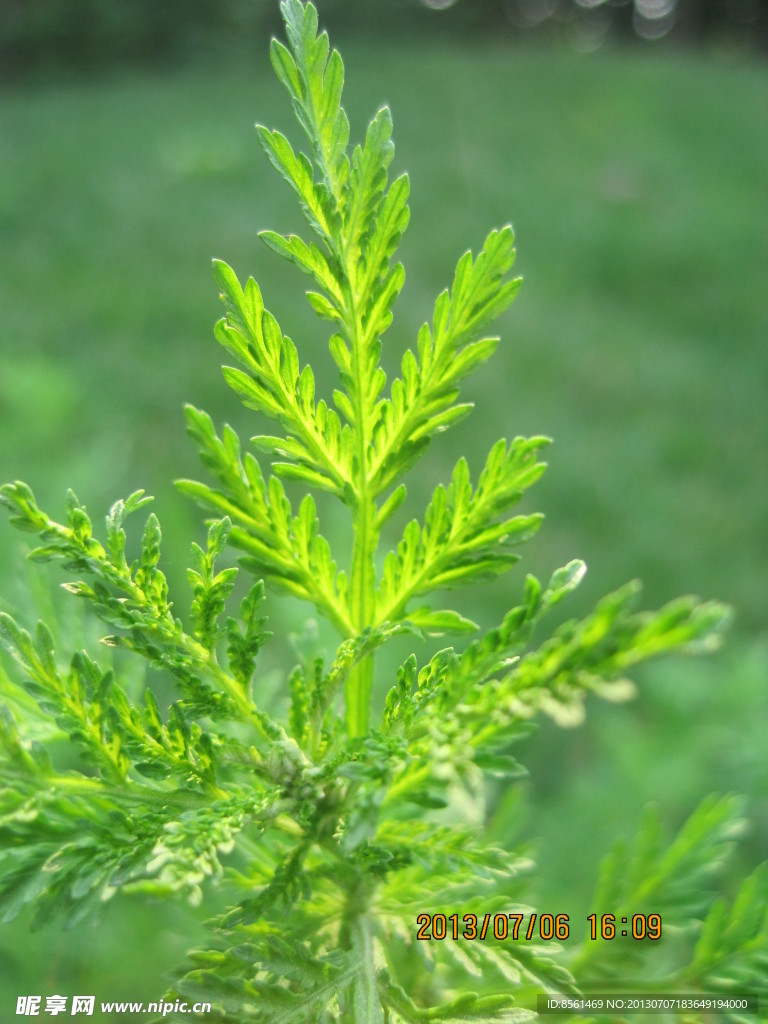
{"x":41,"y":35}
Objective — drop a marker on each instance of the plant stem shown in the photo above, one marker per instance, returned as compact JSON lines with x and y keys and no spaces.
{"x":358,"y":691}
{"x":368,"y":1009}
{"x":356,"y":933}
{"x":362,"y":584}
{"x":360,"y":681}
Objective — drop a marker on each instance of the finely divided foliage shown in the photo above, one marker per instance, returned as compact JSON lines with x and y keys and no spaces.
{"x":336,"y":827}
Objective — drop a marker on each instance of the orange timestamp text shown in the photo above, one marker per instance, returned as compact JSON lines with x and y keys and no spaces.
{"x":531,"y":927}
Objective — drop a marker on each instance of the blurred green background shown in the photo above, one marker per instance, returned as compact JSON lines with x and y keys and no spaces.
{"x":634,"y":174}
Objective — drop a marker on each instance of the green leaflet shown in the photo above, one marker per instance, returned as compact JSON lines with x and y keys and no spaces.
{"x":287,"y":549}
{"x":257,"y":979}
{"x":332,"y":821}
{"x":467,"y":1007}
{"x":210,"y":589}
{"x":730,"y":950}
{"x":423,"y":399}
{"x":679,"y":875}
{"x":314,"y":81}
{"x":276,"y":386}
{"x":731,"y":954}
{"x":462,"y":540}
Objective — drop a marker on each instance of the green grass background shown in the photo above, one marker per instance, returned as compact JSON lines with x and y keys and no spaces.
{"x":636,"y":184}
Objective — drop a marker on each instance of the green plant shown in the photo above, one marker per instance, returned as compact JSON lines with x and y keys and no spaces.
{"x":335,"y":831}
